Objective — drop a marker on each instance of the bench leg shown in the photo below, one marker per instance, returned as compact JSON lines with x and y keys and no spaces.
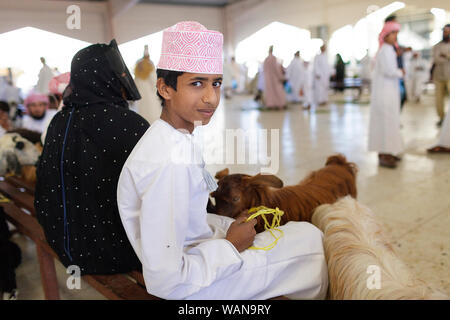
{"x":48,"y":274}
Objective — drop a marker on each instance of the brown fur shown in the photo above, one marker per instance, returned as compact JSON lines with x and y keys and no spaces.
{"x":238,"y":192}
{"x":28,"y":173}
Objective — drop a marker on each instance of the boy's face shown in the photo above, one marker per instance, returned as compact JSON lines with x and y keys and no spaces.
{"x":196,"y":98}
{"x":391,"y":38}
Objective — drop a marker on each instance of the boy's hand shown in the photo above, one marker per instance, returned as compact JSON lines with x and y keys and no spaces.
{"x":240,"y":233}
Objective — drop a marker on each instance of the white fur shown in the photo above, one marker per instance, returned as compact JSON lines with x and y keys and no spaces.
{"x":13,"y":295}
{"x":353,"y":241}
{"x":28,"y":155}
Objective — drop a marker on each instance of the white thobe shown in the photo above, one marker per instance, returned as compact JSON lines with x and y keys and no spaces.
{"x":407,"y":57}
{"x":307,"y":85}
{"x":45,"y":76}
{"x":162,"y":203}
{"x":38,"y":125}
{"x":384,"y":126}
{"x":419,"y":73}
{"x":294,"y":73}
{"x":321,"y":82}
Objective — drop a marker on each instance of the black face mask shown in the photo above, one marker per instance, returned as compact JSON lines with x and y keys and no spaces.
{"x":99,"y":76}
{"x":118,"y":66}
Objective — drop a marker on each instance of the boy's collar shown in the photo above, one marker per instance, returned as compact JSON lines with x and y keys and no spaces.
{"x":183,"y":132}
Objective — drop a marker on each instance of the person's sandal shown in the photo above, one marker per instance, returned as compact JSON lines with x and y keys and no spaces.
{"x":387,"y":161}
{"x":438,"y":149}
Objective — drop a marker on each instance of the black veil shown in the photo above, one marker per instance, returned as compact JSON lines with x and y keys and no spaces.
{"x":87,"y":143}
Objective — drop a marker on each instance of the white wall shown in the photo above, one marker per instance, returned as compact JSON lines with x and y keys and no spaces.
{"x":129,"y":23}
{"x":144,"y":19}
{"x":246,"y":17}
{"x":52,"y":16}
{"x":236,"y":21}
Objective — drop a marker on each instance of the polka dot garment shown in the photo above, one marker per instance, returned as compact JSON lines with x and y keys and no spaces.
{"x":86,"y":146}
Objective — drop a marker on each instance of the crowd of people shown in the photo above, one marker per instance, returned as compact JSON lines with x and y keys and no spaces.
{"x":301,"y":82}
{"x":36,"y":109}
{"x":395,"y":75}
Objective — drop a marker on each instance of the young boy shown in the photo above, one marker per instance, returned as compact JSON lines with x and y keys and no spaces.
{"x":163,"y":191}
{"x":384,"y":127}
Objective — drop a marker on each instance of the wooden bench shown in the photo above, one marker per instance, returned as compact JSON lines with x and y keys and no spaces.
{"x":21,"y":196}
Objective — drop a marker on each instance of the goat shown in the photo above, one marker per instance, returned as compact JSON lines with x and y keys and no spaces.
{"x":15,"y":153}
{"x":238,"y":192}
{"x":28,"y":172}
{"x":355,"y":247}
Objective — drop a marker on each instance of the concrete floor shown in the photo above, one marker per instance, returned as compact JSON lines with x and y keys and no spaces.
{"x":412,"y":201}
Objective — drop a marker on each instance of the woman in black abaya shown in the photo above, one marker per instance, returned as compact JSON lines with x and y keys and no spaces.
{"x":86,"y":146}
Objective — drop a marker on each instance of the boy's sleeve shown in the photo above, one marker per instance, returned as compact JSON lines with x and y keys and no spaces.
{"x":169,"y":271}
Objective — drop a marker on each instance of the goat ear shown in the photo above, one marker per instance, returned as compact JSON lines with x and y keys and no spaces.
{"x":266,"y":179}
{"x":38,"y":146}
{"x":221,"y":174}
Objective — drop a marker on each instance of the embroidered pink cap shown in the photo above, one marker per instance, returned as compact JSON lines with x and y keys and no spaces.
{"x":34,"y":97}
{"x":189,"y":47}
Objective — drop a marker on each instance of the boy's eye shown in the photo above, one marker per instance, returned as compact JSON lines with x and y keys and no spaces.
{"x":217,"y":84}
{"x":196,"y":84}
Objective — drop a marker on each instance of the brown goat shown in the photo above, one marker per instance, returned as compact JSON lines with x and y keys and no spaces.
{"x":239,"y":192}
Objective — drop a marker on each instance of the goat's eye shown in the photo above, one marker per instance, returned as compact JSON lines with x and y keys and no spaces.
{"x":20,"y":145}
{"x":236,"y":199}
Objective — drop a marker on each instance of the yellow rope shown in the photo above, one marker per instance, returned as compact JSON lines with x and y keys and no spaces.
{"x":3,"y":198}
{"x":263,"y":211}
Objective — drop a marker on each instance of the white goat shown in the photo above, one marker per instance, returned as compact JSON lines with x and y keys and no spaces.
{"x":361,"y":262}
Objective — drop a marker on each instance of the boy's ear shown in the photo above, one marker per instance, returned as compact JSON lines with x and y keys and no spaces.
{"x":163,"y":89}
{"x":222,"y":173}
